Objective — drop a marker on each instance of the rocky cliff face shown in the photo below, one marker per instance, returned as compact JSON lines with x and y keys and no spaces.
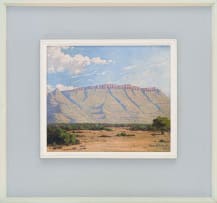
{"x":107,"y":104}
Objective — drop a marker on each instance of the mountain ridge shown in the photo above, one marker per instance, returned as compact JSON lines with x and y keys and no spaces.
{"x":107,"y":103}
{"x":114,"y":86}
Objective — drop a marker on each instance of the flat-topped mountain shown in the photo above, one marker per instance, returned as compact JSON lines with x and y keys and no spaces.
{"x":107,"y":103}
{"x":114,"y":86}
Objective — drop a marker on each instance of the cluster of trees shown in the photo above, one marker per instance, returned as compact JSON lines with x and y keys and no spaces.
{"x":59,"y":136}
{"x":81,"y":126}
{"x":135,"y":127}
{"x":161,"y":124}
{"x":123,"y":134}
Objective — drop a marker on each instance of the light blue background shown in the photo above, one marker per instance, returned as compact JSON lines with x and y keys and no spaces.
{"x":189,"y":175}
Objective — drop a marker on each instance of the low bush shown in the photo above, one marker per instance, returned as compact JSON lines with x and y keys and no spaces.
{"x":58,"y":136}
{"x":141,"y":127}
{"x":161,"y":124}
{"x":81,"y":126}
{"x":123,"y":134}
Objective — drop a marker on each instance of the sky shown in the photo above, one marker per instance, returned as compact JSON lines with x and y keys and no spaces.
{"x":81,"y":66}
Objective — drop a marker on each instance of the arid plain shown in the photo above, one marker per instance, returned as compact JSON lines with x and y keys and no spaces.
{"x":109,"y":141}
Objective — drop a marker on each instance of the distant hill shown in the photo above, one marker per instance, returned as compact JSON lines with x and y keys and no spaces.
{"x":107,"y":103}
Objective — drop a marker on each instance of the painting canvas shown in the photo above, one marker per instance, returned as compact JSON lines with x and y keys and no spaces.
{"x":108,"y":98}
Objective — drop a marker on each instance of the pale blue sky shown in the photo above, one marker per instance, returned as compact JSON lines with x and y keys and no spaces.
{"x":144,"y":66}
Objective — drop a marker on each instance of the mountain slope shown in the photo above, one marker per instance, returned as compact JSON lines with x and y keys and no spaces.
{"x":107,"y":104}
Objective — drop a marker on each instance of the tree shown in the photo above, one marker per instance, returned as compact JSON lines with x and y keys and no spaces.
{"x":59,"y":136}
{"x":162,"y":124}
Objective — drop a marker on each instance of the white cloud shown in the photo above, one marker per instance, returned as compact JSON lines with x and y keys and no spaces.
{"x":58,"y":61}
{"x":98,"y":60}
{"x":50,"y":88}
{"x":62,"y":87}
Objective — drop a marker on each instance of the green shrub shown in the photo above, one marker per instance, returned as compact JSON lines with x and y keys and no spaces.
{"x":82,"y":126}
{"x":141,"y":127}
{"x":122,"y":134}
{"x":73,"y":139}
{"x":161,"y":124}
{"x":58,"y":136}
{"x":108,"y":129}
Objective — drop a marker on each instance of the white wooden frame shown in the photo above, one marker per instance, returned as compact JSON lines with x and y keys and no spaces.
{"x":3,"y":103}
{"x":109,"y":42}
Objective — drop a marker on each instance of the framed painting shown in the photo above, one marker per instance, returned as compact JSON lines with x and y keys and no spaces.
{"x":108,"y":98}
{"x":71,"y":69}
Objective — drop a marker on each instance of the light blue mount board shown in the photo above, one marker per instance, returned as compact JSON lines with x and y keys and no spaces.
{"x":189,"y":175}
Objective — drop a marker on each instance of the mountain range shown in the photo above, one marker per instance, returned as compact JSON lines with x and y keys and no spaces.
{"x":107,"y":103}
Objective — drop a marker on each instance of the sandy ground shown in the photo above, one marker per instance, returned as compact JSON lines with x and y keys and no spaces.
{"x":108,"y":141}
